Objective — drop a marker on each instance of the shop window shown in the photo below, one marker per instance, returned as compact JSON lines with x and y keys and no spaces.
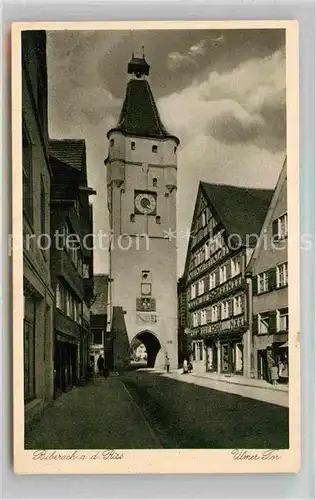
{"x":225,"y":358}
{"x":29,"y":346}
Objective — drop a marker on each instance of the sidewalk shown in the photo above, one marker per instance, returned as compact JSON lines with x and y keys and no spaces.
{"x":237,"y":384}
{"x":99,"y":416}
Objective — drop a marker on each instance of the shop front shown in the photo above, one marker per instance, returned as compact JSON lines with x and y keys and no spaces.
{"x":272,"y":350}
{"x":211,"y":355}
{"x":66,"y":364}
{"x":232,"y":358}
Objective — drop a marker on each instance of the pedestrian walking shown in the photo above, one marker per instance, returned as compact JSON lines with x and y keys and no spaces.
{"x":100,"y":364}
{"x":167,"y":363}
{"x":275,"y":374}
{"x":185,"y":366}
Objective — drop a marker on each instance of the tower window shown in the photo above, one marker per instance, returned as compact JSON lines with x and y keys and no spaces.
{"x":154,"y":149}
{"x":133,"y":146}
{"x":158,"y":219}
{"x":155,"y":182}
{"x":132,"y":217}
{"x":112,"y":142}
{"x":175,"y":149}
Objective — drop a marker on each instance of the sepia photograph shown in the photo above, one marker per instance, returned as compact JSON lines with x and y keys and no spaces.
{"x":154,"y":172}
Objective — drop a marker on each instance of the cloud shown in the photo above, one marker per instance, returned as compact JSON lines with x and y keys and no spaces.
{"x":177,"y":59}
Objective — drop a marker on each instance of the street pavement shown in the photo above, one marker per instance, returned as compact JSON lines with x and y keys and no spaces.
{"x":142,"y":409}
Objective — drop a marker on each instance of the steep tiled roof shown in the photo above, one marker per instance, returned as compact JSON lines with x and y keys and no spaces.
{"x":241,"y":210}
{"x":139,"y":115}
{"x":69,"y":151}
{"x":99,"y":305}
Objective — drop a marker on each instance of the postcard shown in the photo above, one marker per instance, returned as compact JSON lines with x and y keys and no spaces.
{"x":155,"y":247}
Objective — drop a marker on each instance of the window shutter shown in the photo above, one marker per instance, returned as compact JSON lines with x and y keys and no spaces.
{"x":255,"y":285}
{"x":275,"y":227}
{"x":230,"y":307}
{"x":206,"y":283}
{"x":228,"y":270}
{"x":217,"y":277}
{"x":273,"y":322}
{"x":255,"y":324}
{"x":272,"y":279}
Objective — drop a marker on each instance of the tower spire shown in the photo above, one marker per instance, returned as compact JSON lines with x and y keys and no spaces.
{"x":138,"y":65}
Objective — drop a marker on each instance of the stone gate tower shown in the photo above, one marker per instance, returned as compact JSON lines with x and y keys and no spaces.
{"x":141,"y":190}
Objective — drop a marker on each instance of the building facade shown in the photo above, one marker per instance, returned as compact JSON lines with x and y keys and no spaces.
{"x":38,"y":293}
{"x":71,"y":261}
{"x":141,"y":191}
{"x":183,"y":333}
{"x":226,"y":225}
{"x":268,"y":281}
{"x":100,"y":342}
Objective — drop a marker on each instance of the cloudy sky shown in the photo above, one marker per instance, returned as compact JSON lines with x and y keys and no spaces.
{"x":221,"y":92}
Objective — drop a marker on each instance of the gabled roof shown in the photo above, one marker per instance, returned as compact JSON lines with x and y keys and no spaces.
{"x":69,"y":151}
{"x":139,"y":115}
{"x":99,"y":306}
{"x":269,"y":215}
{"x":241,"y":210}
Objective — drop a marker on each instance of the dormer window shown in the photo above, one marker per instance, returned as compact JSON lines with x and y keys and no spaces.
{"x":154,"y":182}
{"x":133,"y":146}
{"x":112,"y":142}
{"x":154,"y":149}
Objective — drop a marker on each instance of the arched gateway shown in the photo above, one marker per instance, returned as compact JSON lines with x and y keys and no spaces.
{"x":152,"y":345}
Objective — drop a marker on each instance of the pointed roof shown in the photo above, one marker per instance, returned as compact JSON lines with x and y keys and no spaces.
{"x":241,"y":210}
{"x":139,"y":115}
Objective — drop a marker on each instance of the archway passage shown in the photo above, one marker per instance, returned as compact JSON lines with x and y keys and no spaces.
{"x":152,"y":345}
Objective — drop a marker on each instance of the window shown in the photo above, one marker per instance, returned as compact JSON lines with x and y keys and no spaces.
{"x":158,"y":219}
{"x":216,"y":243}
{"x":68,"y":303}
{"x":86,"y":270}
{"x":203,"y":317}
{"x":235,"y":265}
{"x":215,"y":313}
{"x":98,"y":337}
{"x":280,"y":227}
{"x":133,"y":146}
{"x":27,"y":176}
{"x":222,"y":274}
{"x":201,"y":287}
{"x":282,"y":275}
{"x":238,"y":305}
{"x":263,"y":282}
{"x":206,"y":251}
{"x":199,"y":349}
{"x":195,"y":319}
{"x":175,"y":149}
{"x":193,"y":291}
{"x":132,"y":217}
{"x":264,"y":320}
{"x":283,"y":320}
{"x":225,"y":309}
{"x":203,"y":218}
{"x":59,"y":302}
{"x":29,"y":346}
{"x":212,"y":280}
{"x":112,"y":142}
{"x":155,"y":182}
{"x":154,"y":149}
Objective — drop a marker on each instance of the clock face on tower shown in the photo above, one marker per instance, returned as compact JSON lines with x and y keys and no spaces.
{"x":145,"y":203}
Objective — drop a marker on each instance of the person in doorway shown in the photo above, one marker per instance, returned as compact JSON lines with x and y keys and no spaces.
{"x":100,"y":364}
{"x":281,"y":369}
{"x":274,"y":374}
{"x":167,"y":363}
{"x":185,"y":366}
